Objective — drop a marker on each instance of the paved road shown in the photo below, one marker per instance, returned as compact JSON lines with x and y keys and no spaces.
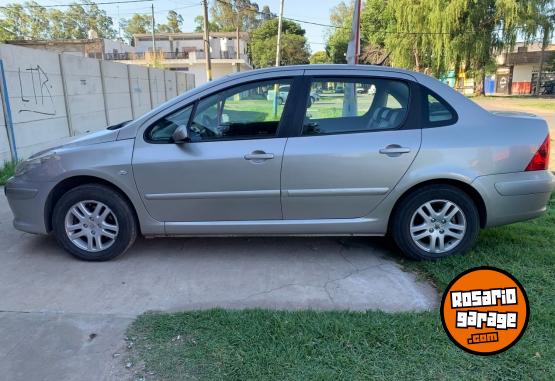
{"x":51,"y":304}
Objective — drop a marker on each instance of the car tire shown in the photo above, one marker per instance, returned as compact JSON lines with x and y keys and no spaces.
{"x":280,"y":100}
{"x":414,"y":226}
{"x":97,"y":235}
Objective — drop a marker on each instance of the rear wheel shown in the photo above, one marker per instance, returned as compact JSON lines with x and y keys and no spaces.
{"x":94,"y":223}
{"x":435,"y":222}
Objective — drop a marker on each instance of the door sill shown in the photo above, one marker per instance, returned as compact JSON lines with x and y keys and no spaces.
{"x":344,"y":226}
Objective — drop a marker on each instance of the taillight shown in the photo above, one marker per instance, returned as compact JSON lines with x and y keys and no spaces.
{"x":540,"y":161}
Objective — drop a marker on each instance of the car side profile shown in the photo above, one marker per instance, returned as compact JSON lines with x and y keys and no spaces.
{"x":411,"y":158}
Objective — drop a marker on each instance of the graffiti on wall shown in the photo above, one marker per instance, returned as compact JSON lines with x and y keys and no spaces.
{"x":35,"y":91}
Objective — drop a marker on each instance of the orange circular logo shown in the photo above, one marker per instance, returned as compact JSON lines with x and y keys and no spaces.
{"x":485,"y":310}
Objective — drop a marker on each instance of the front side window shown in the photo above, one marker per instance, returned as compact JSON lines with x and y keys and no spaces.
{"x":345,"y":105}
{"x":163,"y":129}
{"x":246,"y":112}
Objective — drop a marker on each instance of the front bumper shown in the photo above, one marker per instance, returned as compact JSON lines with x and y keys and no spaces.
{"x":513,"y":197}
{"x":27,"y":202}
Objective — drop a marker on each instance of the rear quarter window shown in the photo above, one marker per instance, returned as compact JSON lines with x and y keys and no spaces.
{"x":437,"y":111}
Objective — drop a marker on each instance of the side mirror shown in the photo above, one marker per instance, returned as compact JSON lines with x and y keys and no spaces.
{"x":180,"y":135}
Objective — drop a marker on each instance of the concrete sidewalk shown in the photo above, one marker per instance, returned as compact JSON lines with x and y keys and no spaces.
{"x":51,"y":303}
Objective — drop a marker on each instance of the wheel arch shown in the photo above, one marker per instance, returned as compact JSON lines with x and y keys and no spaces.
{"x":465,"y":187}
{"x":72,"y":182}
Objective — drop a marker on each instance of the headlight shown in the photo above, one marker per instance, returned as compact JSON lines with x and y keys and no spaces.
{"x":34,"y":162}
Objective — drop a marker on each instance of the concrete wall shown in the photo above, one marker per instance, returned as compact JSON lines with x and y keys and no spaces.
{"x":522,"y":78}
{"x":182,"y":81}
{"x":218,"y":70}
{"x":140,"y":89}
{"x":171,"y":84}
{"x":523,"y":73}
{"x":157,"y":86}
{"x":117,"y":96}
{"x":54,"y":97}
{"x":36,"y":95}
{"x":83,"y":94}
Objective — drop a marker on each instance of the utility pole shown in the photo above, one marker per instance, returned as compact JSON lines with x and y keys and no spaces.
{"x":237,"y":54}
{"x":545,"y":42}
{"x":278,"y":58}
{"x":278,"y":49}
{"x":119,"y":25}
{"x":207,"y":42}
{"x":153,"y":39}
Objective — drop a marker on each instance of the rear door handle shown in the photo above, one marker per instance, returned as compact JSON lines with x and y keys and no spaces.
{"x":394,"y":150}
{"x":259,"y":156}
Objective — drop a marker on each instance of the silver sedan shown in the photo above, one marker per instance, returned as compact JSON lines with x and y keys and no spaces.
{"x":412,"y":158}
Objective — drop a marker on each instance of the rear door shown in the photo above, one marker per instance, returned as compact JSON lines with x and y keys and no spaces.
{"x":354,"y":146}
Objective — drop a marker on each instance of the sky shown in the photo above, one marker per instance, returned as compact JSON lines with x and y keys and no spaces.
{"x":307,"y":10}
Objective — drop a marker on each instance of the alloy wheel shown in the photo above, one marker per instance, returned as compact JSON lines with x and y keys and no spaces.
{"x":438,"y":226}
{"x":91,"y":226}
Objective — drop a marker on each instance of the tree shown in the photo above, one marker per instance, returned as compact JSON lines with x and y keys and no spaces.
{"x":341,"y":17}
{"x":58,"y":27}
{"x":14,"y":22}
{"x":39,"y":21}
{"x":137,"y":24}
{"x":320,"y":57}
{"x":436,"y":36}
{"x":173,"y":23}
{"x":230,"y":14}
{"x":32,"y":21}
{"x":79,"y":18}
{"x":264,"y":40}
{"x":199,"y":25}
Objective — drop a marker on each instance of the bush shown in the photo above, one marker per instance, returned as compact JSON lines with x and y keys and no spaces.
{"x":6,"y":171}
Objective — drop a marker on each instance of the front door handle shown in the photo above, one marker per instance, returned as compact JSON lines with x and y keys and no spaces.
{"x":394,"y":150}
{"x":259,"y":156}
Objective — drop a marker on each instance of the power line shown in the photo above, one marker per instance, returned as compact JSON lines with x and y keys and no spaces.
{"x":76,"y":4}
{"x":347,"y":28}
{"x":147,"y":9}
{"x":325,"y":25}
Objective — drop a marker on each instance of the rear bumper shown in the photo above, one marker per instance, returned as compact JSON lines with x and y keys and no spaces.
{"x":513,"y":197}
{"x":27,"y":202}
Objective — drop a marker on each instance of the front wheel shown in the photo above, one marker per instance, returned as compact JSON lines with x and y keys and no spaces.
{"x":94,"y":223}
{"x":435,"y":222}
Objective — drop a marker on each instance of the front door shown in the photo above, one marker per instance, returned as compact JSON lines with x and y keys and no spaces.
{"x":355,"y":146}
{"x":229,"y":171}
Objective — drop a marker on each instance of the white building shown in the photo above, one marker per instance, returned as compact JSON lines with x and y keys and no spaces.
{"x":185,"y":52}
{"x":91,"y":48}
{"x":518,"y":69}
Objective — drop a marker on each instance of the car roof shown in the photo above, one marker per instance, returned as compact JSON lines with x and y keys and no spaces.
{"x":344,"y":67}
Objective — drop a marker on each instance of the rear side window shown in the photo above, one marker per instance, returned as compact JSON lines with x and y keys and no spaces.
{"x":343,"y":105}
{"x":439,"y":112}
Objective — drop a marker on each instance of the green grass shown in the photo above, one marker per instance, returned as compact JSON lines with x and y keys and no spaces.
{"x":520,"y":101}
{"x":308,"y":345}
{"x":6,"y":171}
